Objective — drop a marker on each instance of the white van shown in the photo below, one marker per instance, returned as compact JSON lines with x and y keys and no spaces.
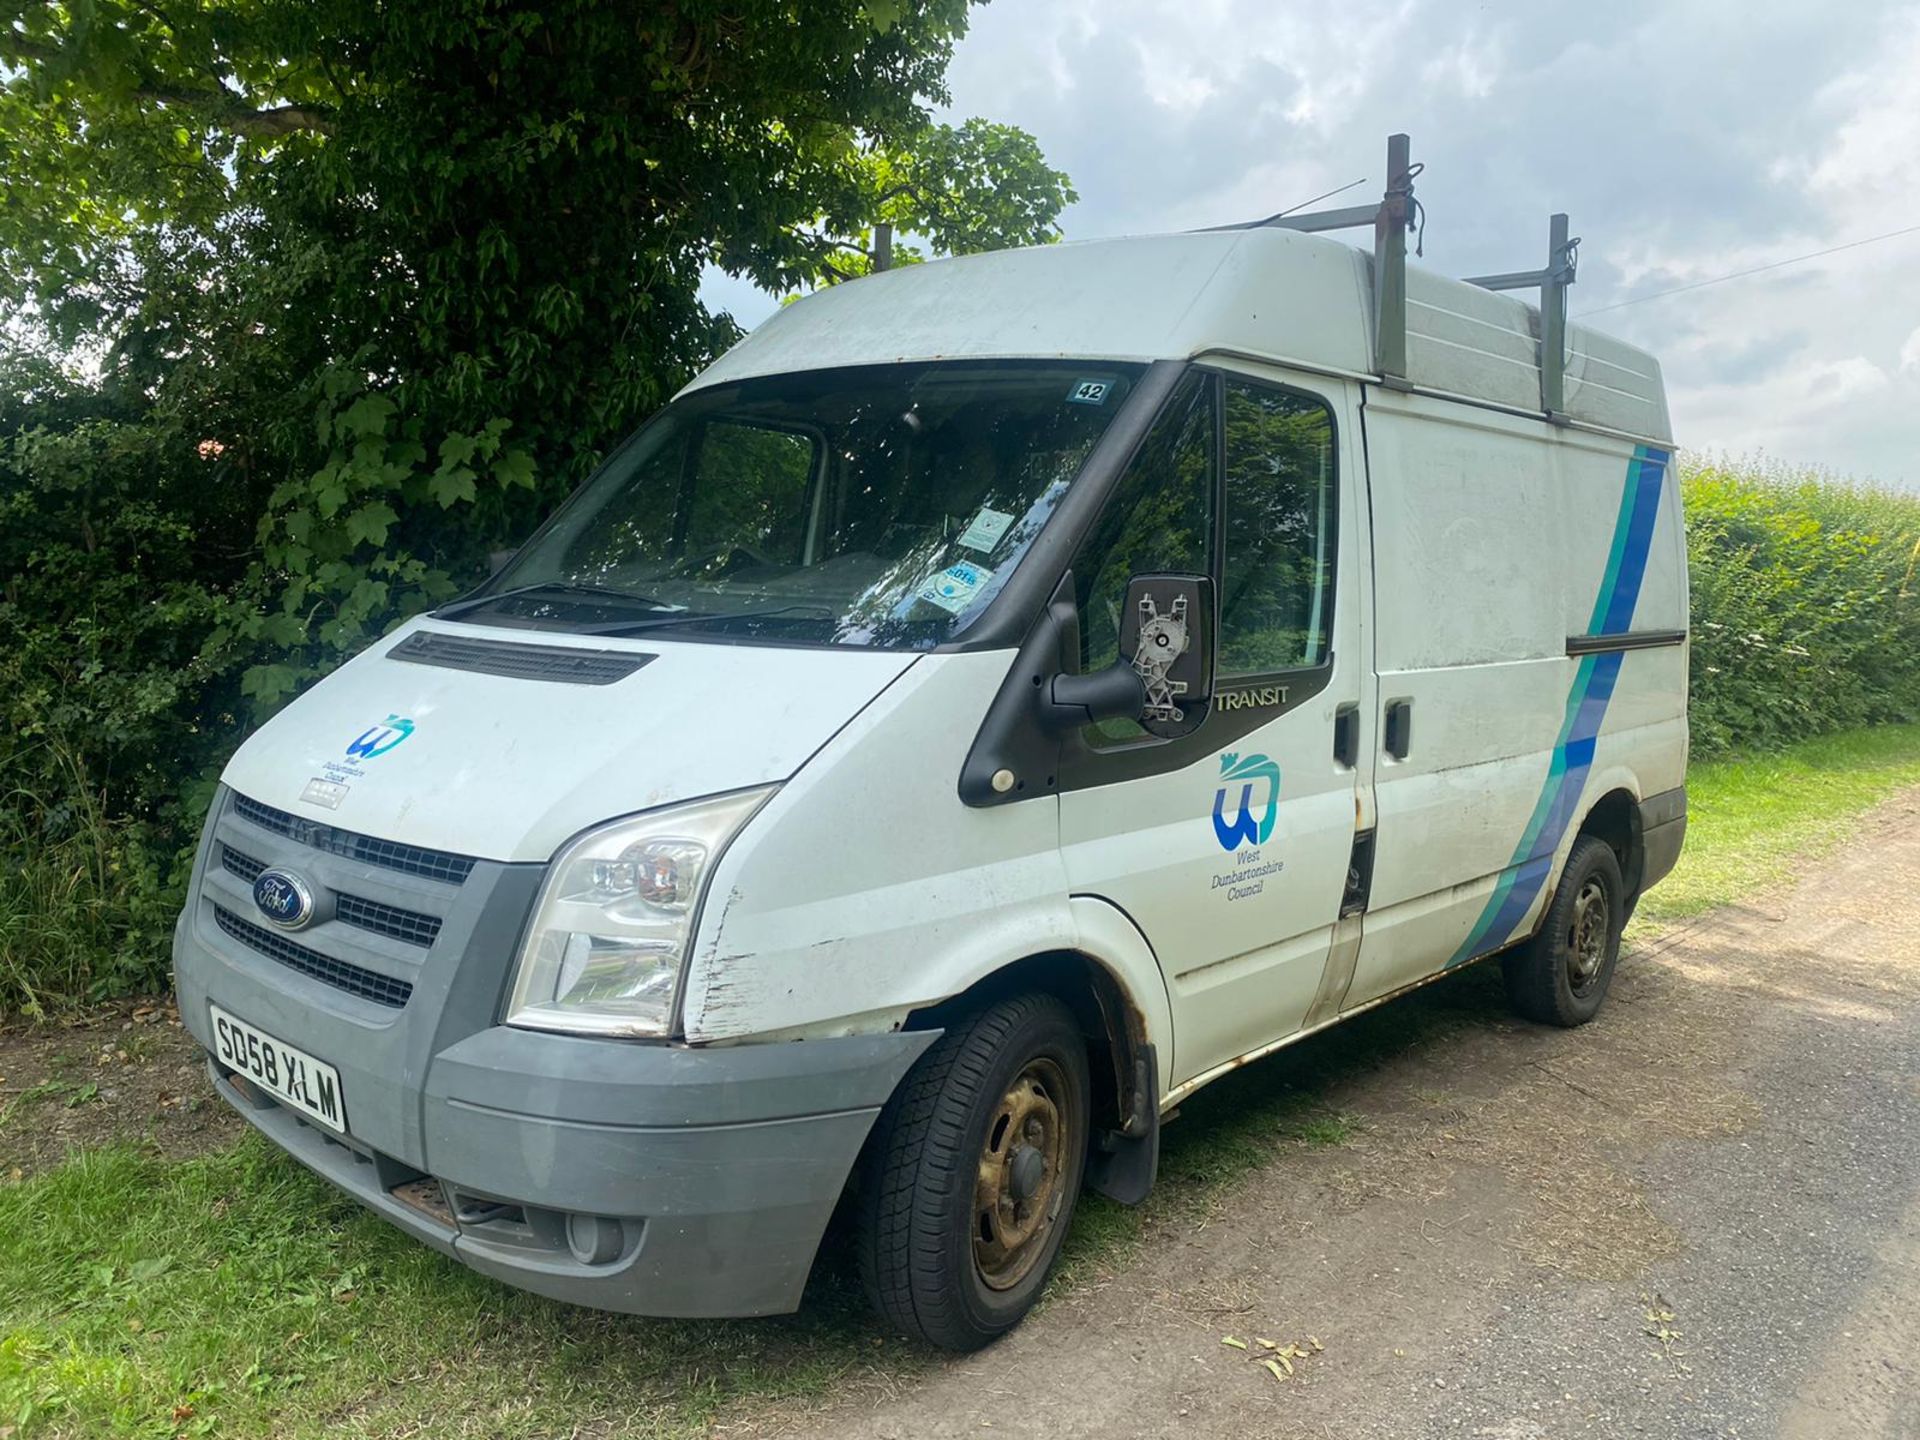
{"x":999,"y":697}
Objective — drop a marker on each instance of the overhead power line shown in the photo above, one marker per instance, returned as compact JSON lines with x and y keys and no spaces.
{"x":1756,"y":270}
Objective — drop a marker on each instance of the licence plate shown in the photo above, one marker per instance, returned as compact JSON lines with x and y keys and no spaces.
{"x":310,"y":1086}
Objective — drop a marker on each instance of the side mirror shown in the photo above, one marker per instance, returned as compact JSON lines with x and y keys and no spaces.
{"x":1165,"y":674}
{"x":1167,"y":629}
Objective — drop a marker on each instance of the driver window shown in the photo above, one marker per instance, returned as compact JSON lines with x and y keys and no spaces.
{"x":1160,"y":518}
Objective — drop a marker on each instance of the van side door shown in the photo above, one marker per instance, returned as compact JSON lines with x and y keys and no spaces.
{"x":1500,"y":541}
{"x":1229,"y":845}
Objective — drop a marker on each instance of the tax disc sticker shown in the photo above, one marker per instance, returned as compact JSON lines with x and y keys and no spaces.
{"x":953,"y":588}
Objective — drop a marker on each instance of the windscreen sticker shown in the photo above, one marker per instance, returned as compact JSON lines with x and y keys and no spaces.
{"x":1090,"y":392}
{"x":985,"y":530}
{"x":953,"y":588}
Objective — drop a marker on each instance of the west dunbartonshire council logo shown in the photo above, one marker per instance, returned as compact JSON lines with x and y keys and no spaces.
{"x":1254,"y":776}
{"x":378,"y":739}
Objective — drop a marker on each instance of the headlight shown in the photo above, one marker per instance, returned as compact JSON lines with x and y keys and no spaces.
{"x":614,"y":920}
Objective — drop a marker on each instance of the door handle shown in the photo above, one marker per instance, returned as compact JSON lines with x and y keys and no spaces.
{"x":1399,"y":728}
{"x":1346,"y":735}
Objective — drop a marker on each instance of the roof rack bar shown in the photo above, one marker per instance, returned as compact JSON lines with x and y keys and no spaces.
{"x":1352,"y":217}
{"x":1552,"y":283}
{"x":1390,"y":219}
{"x":1390,"y":226}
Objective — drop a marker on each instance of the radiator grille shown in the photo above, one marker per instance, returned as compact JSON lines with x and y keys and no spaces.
{"x":383,"y":919}
{"x":245,"y":866}
{"x":389,"y":855}
{"x":354,"y":979}
{"x":375,"y":915}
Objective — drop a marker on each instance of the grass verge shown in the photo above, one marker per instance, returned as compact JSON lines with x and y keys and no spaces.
{"x":1751,"y":822}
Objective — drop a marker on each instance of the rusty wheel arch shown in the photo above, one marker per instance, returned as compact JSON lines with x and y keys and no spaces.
{"x":1121,"y":1059}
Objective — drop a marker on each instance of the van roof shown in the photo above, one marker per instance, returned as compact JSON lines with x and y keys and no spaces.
{"x":1270,"y":294}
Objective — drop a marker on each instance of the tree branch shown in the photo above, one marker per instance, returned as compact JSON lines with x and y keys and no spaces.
{"x":230,"y":110}
{"x":219,"y":104}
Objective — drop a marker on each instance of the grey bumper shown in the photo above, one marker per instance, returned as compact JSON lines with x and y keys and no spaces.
{"x":646,"y":1179}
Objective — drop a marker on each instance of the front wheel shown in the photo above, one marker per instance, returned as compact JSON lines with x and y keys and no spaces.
{"x":972,"y":1173}
{"x":1561,"y":975}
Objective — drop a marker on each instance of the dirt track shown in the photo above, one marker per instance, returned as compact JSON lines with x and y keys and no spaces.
{"x":1699,"y":1216}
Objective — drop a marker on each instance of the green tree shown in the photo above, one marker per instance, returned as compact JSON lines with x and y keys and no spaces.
{"x":333,"y":297}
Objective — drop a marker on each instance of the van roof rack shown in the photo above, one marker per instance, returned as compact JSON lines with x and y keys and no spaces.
{"x":1391,"y":219}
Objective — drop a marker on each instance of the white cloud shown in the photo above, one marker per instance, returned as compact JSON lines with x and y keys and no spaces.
{"x":1686,"y":141}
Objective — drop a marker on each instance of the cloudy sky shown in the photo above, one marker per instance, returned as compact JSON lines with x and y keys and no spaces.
{"x":1687,"y":140}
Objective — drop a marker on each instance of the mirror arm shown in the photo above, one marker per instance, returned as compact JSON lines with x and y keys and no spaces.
{"x":1069,"y":702}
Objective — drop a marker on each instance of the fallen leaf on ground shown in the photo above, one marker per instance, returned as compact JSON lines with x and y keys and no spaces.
{"x":1235,"y":1343}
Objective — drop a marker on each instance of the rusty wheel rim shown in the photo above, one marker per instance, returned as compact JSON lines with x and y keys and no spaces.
{"x":1587,"y":937}
{"x":1021,"y":1178}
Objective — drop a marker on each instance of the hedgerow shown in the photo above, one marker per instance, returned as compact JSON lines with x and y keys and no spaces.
{"x":1806,"y":611}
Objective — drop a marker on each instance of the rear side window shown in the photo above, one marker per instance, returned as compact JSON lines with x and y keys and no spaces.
{"x":1276,"y":577}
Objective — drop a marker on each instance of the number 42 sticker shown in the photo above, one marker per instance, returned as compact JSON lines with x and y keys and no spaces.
{"x":1090,"y":392}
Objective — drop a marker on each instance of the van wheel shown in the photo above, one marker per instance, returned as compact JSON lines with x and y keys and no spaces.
{"x":1561,"y":975}
{"x":972,"y":1173}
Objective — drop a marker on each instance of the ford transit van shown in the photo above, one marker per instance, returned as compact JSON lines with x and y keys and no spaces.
{"x":997,"y":698}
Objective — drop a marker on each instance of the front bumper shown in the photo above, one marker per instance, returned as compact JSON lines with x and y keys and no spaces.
{"x":649,"y":1178}
{"x":644,"y":1179}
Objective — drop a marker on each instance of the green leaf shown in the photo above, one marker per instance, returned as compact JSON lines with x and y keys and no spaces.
{"x":452,"y":486}
{"x":269,"y":683}
{"x":514,"y":468}
{"x":367,"y":416}
{"x":370,"y":523}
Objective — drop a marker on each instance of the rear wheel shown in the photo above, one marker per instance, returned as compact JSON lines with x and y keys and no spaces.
{"x":1562,"y":974}
{"x":972,"y":1173}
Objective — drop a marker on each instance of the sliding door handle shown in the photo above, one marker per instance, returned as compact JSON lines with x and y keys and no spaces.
{"x":1346,"y":735}
{"x":1398,"y":739}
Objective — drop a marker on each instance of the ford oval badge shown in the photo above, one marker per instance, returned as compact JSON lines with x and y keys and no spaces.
{"x":283,"y":898}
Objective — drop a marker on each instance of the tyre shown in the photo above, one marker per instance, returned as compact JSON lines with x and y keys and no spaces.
{"x":972,"y":1172}
{"x":1561,"y":975}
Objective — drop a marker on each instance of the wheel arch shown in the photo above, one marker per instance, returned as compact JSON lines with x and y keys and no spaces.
{"x":1616,"y":819}
{"x":1125,"y":1025}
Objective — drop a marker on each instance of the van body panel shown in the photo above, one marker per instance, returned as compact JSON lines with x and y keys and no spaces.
{"x":865,"y":887}
{"x":1279,"y":295}
{"x":1273,"y":292}
{"x":504,"y":768}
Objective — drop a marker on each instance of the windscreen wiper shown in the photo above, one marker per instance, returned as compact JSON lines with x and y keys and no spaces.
{"x":664,"y":622}
{"x":557,"y":587}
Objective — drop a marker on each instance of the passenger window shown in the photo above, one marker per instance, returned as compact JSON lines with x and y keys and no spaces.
{"x":1276,"y":591}
{"x":1158,"y":519}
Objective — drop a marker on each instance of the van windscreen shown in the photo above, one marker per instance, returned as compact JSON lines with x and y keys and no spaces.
{"x":879,"y":505}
